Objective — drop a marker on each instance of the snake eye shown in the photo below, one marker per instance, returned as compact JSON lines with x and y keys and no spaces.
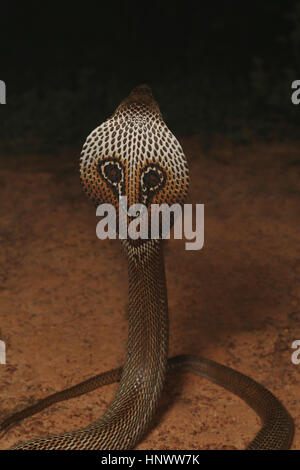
{"x":111,"y":171}
{"x":153,"y":178}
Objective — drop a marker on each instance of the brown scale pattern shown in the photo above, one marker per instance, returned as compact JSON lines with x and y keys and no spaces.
{"x":116,"y":159}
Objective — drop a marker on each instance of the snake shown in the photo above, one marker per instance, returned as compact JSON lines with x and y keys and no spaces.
{"x":134,"y":154}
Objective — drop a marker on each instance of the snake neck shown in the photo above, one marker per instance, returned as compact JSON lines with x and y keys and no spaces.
{"x":147,"y":348}
{"x":148,"y":307}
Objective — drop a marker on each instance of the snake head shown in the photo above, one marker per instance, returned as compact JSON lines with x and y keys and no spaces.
{"x":134,"y":154}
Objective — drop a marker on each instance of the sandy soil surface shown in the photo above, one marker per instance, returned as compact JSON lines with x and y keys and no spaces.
{"x":63,"y":294}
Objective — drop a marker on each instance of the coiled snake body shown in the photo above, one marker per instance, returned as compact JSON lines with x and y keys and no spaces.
{"x":134,"y":154}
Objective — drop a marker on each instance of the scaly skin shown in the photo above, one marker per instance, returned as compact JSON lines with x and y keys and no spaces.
{"x":134,"y":154}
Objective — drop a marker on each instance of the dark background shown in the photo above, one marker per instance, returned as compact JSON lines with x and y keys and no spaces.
{"x":215,"y":67}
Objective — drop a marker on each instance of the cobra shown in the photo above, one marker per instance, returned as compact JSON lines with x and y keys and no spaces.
{"x":133,"y":153}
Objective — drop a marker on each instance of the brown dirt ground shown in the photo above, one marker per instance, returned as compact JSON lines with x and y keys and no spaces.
{"x":63,"y":293}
